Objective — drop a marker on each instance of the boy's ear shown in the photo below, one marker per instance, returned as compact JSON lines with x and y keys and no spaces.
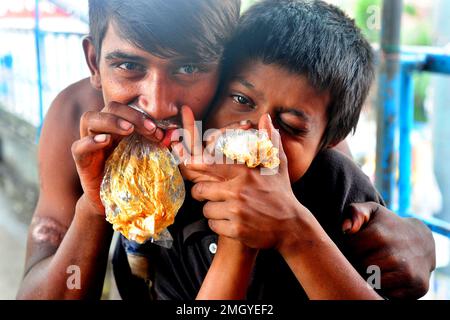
{"x":91,"y":59}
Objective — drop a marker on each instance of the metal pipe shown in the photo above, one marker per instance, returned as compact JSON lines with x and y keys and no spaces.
{"x":37,"y":37}
{"x":439,"y":63}
{"x":406,"y":127}
{"x":388,"y":103}
{"x":436,"y":225}
{"x":441,"y":109}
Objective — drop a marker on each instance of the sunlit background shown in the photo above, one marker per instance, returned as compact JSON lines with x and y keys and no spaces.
{"x":27,"y":89}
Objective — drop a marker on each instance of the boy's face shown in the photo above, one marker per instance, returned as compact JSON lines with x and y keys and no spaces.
{"x":296,"y":108}
{"x":160,"y":86}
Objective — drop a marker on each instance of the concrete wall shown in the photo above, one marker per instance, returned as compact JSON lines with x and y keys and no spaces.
{"x":19,"y":180}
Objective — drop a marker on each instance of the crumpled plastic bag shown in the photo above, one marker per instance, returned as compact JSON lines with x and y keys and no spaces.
{"x":142,"y":190}
{"x":252,"y":147}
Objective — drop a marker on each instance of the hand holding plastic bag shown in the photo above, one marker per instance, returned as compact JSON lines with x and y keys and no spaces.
{"x":142,"y":190}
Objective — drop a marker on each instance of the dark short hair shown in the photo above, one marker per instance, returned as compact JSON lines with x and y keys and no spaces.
{"x":314,"y":39}
{"x":167,"y":28}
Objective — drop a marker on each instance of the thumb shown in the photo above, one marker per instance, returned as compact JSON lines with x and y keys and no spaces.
{"x":192,"y":138}
{"x":265,"y":123}
{"x":360,"y":214}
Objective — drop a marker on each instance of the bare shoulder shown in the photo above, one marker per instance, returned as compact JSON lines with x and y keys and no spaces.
{"x":59,"y":185}
{"x":67,"y":108}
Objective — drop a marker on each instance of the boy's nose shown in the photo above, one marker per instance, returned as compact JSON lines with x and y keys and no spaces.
{"x":256,"y":116}
{"x":159,"y":97}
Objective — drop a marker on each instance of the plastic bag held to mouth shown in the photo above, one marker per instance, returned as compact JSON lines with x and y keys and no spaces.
{"x":252,"y":147}
{"x":142,"y":190}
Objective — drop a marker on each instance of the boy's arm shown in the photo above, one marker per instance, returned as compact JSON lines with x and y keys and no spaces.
{"x":318,"y":264}
{"x":229,"y":275}
{"x":69,"y":230}
{"x":64,"y":232}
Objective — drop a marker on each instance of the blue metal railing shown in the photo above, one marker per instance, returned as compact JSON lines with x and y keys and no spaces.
{"x":26,"y":90}
{"x":38,"y":40}
{"x":29,"y":85}
{"x":411,"y":61}
{"x":396,"y":111}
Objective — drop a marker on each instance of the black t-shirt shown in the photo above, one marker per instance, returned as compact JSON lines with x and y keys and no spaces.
{"x":331,"y":183}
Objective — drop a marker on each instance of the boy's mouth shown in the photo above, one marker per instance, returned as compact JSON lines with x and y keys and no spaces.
{"x":167,"y":140}
{"x":164,"y":124}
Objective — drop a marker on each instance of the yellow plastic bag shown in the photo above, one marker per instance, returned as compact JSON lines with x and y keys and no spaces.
{"x":142,"y":190}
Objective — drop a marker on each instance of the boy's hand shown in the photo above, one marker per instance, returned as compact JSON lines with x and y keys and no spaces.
{"x":191,"y":151}
{"x":260,"y":211}
{"x":116,"y":119}
{"x":403,"y":248}
{"x":100,"y":132}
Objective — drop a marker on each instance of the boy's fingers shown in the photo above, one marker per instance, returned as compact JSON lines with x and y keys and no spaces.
{"x":361,"y":214}
{"x":143,"y":125}
{"x":214,"y":211}
{"x":347,"y":226}
{"x":212,"y":191}
{"x":100,"y":122}
{"x":265,"y":123}
{"x":192,"y":139}
{"x":197,"y":175}
{"x":82,"y":149}
{"x":221,"y":227}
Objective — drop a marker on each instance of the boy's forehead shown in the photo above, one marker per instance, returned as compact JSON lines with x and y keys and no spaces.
{"x":116,"y":44}
{"x":276,"y":86}
{"x":268,"y":77}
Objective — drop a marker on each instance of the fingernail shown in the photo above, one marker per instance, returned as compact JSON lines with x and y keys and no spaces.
{"x":244,"y":122}
{"x":100,"y":138}
{"x":159,"y":134}
{"x":270,"y":118}
{"x":125,"y":125}
{"x":149,"y":125}
{"x":346,"y":226}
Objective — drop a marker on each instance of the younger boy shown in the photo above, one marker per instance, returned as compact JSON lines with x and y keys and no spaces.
{"x":306,"y":65}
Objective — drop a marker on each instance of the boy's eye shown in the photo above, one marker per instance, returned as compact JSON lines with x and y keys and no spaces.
{"x":188,"y":69}
{"x":131,"y":66}
{"x":240,"y":99}
{"x":291,"y":129}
